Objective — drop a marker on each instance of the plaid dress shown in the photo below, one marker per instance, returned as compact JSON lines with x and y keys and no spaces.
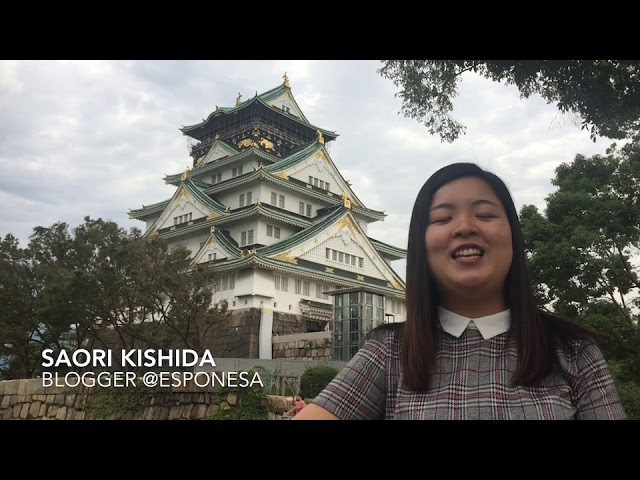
{"x":471,"y":381}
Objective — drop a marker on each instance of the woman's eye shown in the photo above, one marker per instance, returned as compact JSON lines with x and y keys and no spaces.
{"x":486,"y":215}
{"x":441,"y":220}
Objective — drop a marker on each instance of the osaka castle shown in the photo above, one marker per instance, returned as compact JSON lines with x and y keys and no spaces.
{"x":265,"y":207}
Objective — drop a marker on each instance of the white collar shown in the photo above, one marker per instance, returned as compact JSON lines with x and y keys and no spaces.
{"x":489,"y":326}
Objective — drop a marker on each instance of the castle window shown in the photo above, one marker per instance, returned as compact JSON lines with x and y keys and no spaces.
{"x":281,"y":201}
{"x":242,"y":199}
{"x":274,"y":199}
{"x":301,"y":208}
{"x":276,"y":232}
{"x":269,"y":231}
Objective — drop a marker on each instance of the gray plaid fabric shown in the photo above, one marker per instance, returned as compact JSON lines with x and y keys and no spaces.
{"x":472,"y":381}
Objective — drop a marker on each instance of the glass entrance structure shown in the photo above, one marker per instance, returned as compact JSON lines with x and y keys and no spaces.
{"x":355,"y":313}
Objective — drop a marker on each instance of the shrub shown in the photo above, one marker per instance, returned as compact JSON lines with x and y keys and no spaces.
{"x":314,"y":379}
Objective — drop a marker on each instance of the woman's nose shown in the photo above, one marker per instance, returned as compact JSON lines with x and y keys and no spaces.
{"x":465,"y":226}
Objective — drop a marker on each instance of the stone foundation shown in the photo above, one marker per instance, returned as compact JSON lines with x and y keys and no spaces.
{"x":27,"y":399}
{"x":305,"y":346}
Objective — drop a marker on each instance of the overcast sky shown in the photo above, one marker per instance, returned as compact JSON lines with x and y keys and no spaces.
{"x":95,"y":138}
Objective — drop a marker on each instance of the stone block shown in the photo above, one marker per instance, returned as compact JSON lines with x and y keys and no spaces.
{"x":22,"y":387}
{"x":34,"y":409}
{"x":6,"y":401}
{"x":211,"y":410}
{"x":10,"y":387}
{"x":59,"y":400}
{"x":7,"y":414}
{"x":232,"y":398}
{"x":186,"y":412}
{"x":50,"y":399}
{"x":43,"y":410}
{"x":24,"y":411}
{"x":174,"y":413}
{"x":198,"y":411}
{"x":80,"y":415}
{"x":61,"y":414}
{"x":52,"y":411}
{"x":33,"y":386}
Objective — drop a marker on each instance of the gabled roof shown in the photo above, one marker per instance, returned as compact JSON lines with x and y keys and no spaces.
{"x":204,"y":168}
{"x":388,"y":250}
{"x":286,"y":250}
{"x":191,"y":187}
{"x":267,"y":211}
{"x":222,"y":240}
{"x":314,"y":271}
{"x":148,"y":210}
{"x":221,"y":111}
{"x":330,"y":217}
{"x":303,"y":155}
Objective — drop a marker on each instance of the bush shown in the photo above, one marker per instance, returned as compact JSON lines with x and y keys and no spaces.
{"x":314,"y":379}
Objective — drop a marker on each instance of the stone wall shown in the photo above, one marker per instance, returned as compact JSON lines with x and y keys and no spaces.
{"x":303,"y":346}
{"x":237,"y":336}
{"x":27,"y":399}
{"x":286,"y":324}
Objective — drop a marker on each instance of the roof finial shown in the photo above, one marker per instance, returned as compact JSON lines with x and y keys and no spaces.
{"x":286,"y":80}
{"x":256,"y":94}
{"x":320,"y":138}
{"x":239,"y":99}
{"x":217,"y":136}
{"x":185,"y":175}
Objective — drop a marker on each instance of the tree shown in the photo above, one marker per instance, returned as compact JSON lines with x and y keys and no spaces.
{"x":99,"y":287}
{"x":604,"y":93}
{"x":583,"y":252}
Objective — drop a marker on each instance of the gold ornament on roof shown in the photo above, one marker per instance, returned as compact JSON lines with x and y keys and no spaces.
{"x":183,"y":194}
{"x":213,"y":217}
{"x":239,"y":99}
{"x":346,"y":222}
{"x":287,"y":257}
{"x":212,"y":230}
{"x":346,"y":201}
{"x":286,"y":80}
{"x":395,"y":285}
{"x":320,"y":138}
{"x":247,"y":142}
{"x":185,"y":175}
{"x":283,"y":175}
{"x":329,"y":270}
{"x":267,"y":145}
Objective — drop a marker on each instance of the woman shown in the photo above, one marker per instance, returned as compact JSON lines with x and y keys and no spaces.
{"x":474,"y":345}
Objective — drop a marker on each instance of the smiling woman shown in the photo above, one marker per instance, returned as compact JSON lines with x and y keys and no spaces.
{"x":474,"y":345}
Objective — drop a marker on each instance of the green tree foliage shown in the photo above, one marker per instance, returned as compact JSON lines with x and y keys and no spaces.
{"x":604,"y":93}
{"x":98,"y":287}
{"x":314,"y":379}
{"x":583,"y":252}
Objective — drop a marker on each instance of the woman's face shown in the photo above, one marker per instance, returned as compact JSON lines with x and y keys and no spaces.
{"x":468,"y":240}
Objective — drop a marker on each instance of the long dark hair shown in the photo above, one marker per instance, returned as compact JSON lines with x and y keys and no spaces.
{"x":532,"y":329}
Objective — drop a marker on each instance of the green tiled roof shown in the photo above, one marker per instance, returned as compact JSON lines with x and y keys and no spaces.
{"x":148,"y":210}
{"x":305,"y":234}
{"x":387,"y":249}
{"x":273,"y":264}
{"x":268,"y":211}
{"x":174,"y":179}
{"x":245,"y":104}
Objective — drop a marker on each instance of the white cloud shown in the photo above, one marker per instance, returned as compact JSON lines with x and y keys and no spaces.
{"x":95,"y":138}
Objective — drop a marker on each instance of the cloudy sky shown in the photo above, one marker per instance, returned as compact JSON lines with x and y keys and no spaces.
{"x":95,"y":138}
